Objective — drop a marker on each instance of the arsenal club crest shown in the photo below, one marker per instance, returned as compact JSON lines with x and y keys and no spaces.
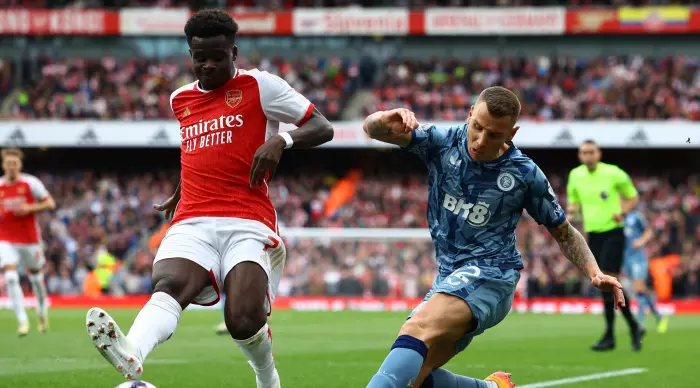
{"x":233,"y":98}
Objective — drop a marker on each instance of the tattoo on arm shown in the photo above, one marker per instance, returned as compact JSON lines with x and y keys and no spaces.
{"x":574,"y":247}
{"x":376,"y":129}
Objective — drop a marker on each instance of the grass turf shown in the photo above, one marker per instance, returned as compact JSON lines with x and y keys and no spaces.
{"x":344,"y":349}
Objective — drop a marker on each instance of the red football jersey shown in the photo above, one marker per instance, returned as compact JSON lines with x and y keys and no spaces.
{"x":220,"y":131}
{"x":26,"y":189}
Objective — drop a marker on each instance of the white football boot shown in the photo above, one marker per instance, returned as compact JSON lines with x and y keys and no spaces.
{"x":23,"y":329}
{"x":113,"y":344}
{"x":42,"y":323}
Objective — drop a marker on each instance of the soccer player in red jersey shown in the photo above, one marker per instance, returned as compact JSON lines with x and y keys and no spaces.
{"x":224,"y":230}
{"x":22,"y":196}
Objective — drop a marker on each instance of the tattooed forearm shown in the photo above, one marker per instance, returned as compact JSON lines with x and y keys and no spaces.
{"x":574,"y":247}
{"x":375,"y":128}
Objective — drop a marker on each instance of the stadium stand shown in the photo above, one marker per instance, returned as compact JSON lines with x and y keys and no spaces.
{"x":111,"y":215}
{"x":140,"y":88}
{"x":104,"y":220}
{"x":550,"y":88}
{"x":559,"y":88}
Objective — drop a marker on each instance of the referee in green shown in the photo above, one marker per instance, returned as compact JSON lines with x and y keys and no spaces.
{"x":604,"y":193}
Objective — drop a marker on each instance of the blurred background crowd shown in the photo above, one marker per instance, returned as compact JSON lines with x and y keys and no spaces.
{"x":106,"y":222}
{"x":550,"y":87}
{"x":104,"y":233}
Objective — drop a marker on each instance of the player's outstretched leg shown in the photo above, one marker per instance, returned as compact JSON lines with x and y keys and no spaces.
{"x":176,"y":282}
{"x":245,"y":315}
{"x":14,"y":292}
{"x":442,"y":378}
{"x":444,"y":319}
{"x":36,"y":278}
{"x":432,"y":375}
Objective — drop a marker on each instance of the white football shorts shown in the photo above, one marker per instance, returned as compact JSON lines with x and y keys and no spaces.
{"x":31,"y":256}
{"x":218,"y":244}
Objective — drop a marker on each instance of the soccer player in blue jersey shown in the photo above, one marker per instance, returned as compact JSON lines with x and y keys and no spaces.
{"x":479,"y":184}
{"x":636,"y":266}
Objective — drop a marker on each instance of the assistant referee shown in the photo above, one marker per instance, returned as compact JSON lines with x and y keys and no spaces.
{"x":604,"y":193}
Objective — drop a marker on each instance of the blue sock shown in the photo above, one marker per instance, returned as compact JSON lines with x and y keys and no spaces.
{"x":643,"y":303}
{"x":442,"y":378}
{"x":651,"y":303}
{"x":401,"y":367}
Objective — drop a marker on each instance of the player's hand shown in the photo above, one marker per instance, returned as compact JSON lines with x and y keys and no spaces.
{"x":399,"y":120}
{"x":618,"y":218}
{"x":609,"y":283}
{"x":638,"y":243}
{"x":168,"y":206}
{"x":265,"y":161}
{"x":22,"y":210}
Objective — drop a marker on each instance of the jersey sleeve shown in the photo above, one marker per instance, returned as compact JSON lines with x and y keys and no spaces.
{"x":624,"y":184}
{"x":37,"y":188}
{"x":428,"y":139}
{"x":281,"y":102}
{"x":571,"y":192}
{"x":177,"y":92}
{"x":541,"y":202}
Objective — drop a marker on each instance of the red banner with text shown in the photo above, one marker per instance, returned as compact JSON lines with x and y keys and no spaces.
{"x":307,"y":303}
{"x":363,"y":21}
{"x":58,"y":22}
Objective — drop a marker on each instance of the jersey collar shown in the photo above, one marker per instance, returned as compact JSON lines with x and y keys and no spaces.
{"x":196,"y":84}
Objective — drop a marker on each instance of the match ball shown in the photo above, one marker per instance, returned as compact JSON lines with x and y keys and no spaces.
{"x":135,"y":384}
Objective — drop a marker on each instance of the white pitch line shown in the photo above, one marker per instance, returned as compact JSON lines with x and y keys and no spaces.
{"x":578,"y":379}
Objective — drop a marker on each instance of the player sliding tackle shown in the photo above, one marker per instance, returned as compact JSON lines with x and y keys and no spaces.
{"x":479,"y":184}
{"x":224,"y":229}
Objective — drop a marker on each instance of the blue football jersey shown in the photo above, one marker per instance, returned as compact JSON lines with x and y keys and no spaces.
{"x":635,"y":225}
{"x":473,"y":207}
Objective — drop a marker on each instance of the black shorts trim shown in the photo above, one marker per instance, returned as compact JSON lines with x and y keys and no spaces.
{"x":608,"y":249}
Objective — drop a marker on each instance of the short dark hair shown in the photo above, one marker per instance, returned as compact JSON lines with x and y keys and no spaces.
{"x":210,"y":23}
{"x":12,"y":152}
{"x":590,"y":141}
{"x":500,"y":102}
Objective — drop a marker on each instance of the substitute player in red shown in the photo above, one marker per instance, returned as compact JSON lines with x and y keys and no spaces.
{"x":22,"y":196}
{"x":224,"y":231}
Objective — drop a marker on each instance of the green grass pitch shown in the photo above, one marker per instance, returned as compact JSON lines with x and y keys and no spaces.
{"x":344,"y":349}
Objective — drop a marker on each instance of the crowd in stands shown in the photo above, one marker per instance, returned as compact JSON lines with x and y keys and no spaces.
{"x":140,"y":88}
{"x":550,"y":88}
{"x":108,"y":222}
{"x":288,"y":4}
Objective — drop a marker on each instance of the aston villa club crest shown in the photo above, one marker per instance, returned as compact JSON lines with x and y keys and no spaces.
{"x":233,"y":98}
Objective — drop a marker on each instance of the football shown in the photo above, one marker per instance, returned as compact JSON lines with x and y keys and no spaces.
{"x":135,"y":384}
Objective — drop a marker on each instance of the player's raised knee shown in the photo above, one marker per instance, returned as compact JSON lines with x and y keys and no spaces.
{"x":424,"y":328}
{"x":244,"y":323}
{"x":442,"y":318}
